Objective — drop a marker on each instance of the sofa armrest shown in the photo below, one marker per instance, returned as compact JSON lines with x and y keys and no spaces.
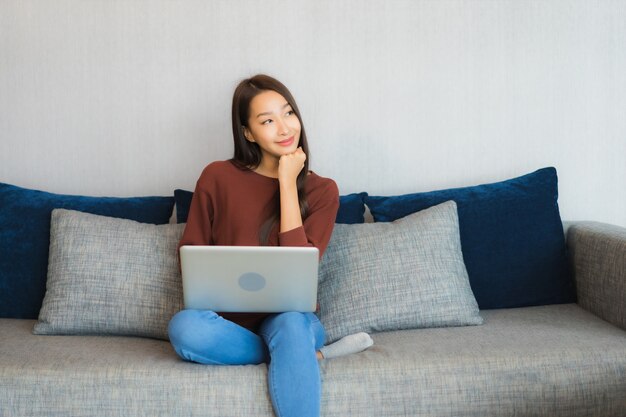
{"x":598,"y":259}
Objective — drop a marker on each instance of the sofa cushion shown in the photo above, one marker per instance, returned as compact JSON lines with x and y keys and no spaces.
{"x":110,"y":276}
{"x":556,"y":361}
{"x":351,"y":207}
{"x":400,"y":275}
{"x":511,"y":234}
{"x":25,"y":236}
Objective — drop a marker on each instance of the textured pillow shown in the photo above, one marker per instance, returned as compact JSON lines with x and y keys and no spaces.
{"x":351,"y":207}
{"x":110,"y":276}
{"x":401,"y":275}
{"x":511,"y":235}
{"x":25,"y":237}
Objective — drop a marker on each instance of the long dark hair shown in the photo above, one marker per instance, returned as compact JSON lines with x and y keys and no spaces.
{"x":248,"y":154}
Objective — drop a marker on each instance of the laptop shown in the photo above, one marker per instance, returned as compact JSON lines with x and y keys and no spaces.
{"x":262,"y":279}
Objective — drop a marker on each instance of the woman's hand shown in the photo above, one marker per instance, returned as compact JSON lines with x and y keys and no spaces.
{"x":290,"y":165}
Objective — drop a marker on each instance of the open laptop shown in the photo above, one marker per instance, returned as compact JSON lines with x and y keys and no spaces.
{"x":268,"y":279}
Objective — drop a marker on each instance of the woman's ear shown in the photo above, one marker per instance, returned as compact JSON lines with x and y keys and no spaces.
{"x":247,"y":134}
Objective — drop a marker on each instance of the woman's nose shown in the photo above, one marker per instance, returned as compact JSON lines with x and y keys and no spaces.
{"x":283,"y":129}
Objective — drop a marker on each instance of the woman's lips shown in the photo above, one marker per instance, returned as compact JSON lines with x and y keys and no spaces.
{"x":286,"y":142}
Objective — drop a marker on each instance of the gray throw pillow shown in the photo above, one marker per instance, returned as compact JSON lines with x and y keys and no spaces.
{"x":110,"y":276}
{"x":401,"y":275}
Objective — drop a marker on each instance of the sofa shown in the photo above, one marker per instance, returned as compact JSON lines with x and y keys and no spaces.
{"x":512,"y":313}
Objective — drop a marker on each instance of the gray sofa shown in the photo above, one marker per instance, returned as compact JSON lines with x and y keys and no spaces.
{"x":556,"y":360}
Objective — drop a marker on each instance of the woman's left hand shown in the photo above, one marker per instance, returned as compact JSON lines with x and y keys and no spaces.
{"x":290,"y":165}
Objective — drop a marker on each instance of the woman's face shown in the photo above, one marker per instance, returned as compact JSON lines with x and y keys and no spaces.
{"x":273,"y":125}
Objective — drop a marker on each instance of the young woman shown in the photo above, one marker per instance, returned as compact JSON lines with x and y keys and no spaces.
{"x":264,"y":195}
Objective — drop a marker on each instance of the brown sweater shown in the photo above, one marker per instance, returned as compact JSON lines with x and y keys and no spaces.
{"x":230,"y":205}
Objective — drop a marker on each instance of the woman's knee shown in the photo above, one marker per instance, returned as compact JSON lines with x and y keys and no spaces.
{"x":205,"y":337}
{"x":183,"y":327}
{"x":288,"y":325}
{"x":291,"y":320}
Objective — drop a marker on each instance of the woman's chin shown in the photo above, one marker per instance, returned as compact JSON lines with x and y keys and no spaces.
{"x":286,"y":151}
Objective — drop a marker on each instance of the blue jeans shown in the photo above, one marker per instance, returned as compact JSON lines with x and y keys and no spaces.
{"x":288,"y":341}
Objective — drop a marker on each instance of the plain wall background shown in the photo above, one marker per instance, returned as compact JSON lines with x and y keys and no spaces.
{"x":131,"y":98}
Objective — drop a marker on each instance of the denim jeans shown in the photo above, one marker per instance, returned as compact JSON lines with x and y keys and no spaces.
{"x":288,"y":341}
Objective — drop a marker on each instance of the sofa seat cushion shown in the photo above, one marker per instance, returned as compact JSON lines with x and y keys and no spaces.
{"x":543,"y":361}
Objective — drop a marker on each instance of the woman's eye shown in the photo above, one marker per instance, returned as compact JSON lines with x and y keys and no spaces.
{"x":290,"y":112}
{"x":266,"y":121}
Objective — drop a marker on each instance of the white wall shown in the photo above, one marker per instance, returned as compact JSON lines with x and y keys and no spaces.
{"x":133,"y":97}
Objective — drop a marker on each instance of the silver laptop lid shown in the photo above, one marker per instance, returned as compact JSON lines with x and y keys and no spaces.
{"x":250,"y":278}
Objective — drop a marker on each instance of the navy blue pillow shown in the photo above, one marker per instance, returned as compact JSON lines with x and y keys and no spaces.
{"x":183,"y":202}
{"x":25,"y":237}
{"x":351,"y":207}
{"x":511,"y":235}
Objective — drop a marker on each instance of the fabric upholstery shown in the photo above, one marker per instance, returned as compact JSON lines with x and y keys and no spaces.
{"x":599,"y":261}
{"x":351,"y":207}
{"x":25,"y":236}
{"x":511,"y":234}
{"x":556,"y":361}
{"x":110,"y":276}
{"x":400,"y":275}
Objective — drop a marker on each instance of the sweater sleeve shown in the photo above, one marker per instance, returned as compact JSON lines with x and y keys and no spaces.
{"x":318,"y":225}
{"x":198,"y":228}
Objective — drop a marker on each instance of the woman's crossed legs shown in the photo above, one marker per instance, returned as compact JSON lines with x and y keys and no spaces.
{"x":288,"y":341}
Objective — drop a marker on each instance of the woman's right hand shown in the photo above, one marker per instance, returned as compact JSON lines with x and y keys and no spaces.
{"x":290,"y":165}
